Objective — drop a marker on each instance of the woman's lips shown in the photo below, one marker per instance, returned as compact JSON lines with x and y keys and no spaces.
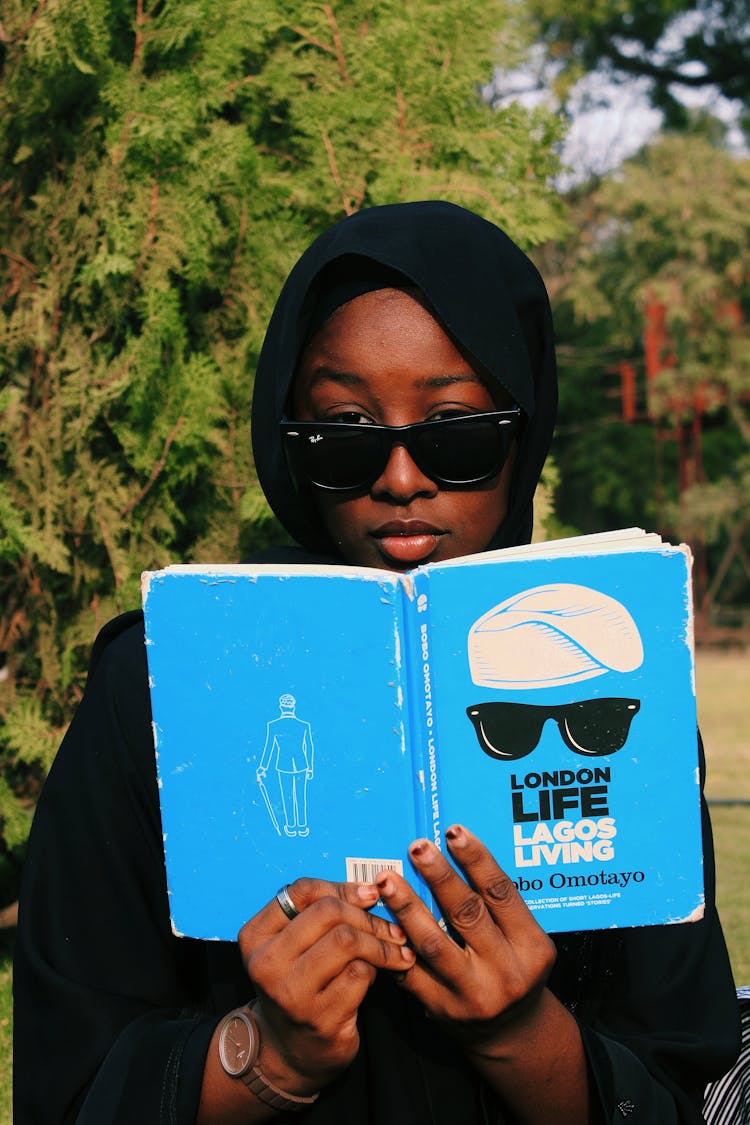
{"x":408,"y":541}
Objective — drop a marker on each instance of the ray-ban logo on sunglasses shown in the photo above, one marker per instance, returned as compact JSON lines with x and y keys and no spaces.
{"x":592,"y":728}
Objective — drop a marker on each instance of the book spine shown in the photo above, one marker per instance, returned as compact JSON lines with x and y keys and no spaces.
{"x":422,"y":713}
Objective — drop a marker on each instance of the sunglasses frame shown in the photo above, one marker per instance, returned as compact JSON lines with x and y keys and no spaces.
{"x":559,"y":714}
{"x":392,"y":435}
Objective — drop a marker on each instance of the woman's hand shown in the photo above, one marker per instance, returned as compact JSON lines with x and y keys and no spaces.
{"x":312,"y":973}
{"x":488,"y":987}
{"x":484,"y":987}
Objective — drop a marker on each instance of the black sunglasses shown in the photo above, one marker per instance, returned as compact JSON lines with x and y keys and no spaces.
{"x":341,"y":457}
{"x":593,"y":727}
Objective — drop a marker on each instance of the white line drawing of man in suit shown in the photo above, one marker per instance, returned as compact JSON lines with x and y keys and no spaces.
{"x":289,"y":750}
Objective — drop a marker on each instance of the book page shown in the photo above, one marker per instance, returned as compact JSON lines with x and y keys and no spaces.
{"x":281,"y":731}
{"x":626,"y":539}
{"x":564,"y":728}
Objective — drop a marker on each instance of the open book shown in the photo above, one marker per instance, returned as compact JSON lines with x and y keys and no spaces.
{"x":315,"y":720}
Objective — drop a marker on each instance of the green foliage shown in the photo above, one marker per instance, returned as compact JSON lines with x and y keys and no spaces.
{"x":670,"y":229}
{"x":162,"y":166}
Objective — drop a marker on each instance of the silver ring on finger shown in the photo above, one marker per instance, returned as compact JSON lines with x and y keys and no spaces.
{"x":284,"y":900}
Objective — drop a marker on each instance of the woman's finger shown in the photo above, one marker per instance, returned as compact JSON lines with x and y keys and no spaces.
{"x":303,"y":893}
{"x":438,"y":955}
{"x":462,"y":906}
{"x":343,"y":950}
{"x":480,"y":983}
{"x":503,"y":904}
{"x":307,"y":955}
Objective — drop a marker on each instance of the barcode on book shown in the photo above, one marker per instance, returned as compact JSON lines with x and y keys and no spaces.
{"x":364,"y":870}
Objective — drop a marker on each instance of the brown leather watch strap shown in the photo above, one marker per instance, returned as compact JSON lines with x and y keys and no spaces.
{"x":264,"y":1089}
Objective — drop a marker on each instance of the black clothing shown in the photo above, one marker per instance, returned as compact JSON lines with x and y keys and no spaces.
{"x":114,"y":1014}
{"x":486,"y":293}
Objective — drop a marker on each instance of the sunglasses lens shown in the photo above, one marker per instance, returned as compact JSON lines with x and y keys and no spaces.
{"x":339,"y":456}
{"x":596,"y":727}
{"x":461,"y":450}
{"x":452,"y":451}
{"x":507,"y":731}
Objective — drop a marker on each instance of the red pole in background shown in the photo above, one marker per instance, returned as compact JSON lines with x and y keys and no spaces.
{"x":682,"y":408}
{"x":627,"y":386}
{"x":659,"y":356}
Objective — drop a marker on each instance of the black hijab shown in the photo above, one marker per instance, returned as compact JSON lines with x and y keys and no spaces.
{"x":482,"y":288}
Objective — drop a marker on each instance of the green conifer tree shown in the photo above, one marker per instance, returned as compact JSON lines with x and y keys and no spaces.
{"x":162,"y":166}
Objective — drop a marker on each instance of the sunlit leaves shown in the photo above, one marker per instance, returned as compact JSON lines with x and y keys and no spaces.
{"x":164,"y":164}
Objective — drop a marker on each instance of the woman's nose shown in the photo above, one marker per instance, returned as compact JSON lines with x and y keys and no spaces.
{"x":402,"y":479}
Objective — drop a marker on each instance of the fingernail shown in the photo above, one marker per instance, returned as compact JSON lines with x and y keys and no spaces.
{"x":407,"y":954}
{"x":397,"y":932}
{"x":420,"y":849}
{"x":384,"y":884}
{"x":456,"y":834}
{"x":367,"y":893}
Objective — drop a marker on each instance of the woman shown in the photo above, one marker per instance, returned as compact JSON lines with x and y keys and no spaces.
{"x":396,"y":316}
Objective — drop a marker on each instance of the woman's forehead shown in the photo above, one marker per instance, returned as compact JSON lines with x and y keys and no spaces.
{"x":394,"y":327}
{"x":381,"y":342}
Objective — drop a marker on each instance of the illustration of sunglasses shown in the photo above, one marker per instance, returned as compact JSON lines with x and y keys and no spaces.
{"x":591,"y":727}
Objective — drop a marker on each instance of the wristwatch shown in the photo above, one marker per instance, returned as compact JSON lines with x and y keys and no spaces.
{"x":239,"y":1048}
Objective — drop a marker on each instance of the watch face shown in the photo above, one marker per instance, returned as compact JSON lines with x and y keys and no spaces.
{"x":238,"y":1044}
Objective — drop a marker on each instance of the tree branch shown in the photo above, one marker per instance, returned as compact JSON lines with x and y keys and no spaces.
{"x":738,"y":416}
{"x":108,"y":546}
{"x":154,"y":472}
{"x":235,"y":261}
{"x":109,"y":379}
{"x":150,"y":238}
{"x":338,"y":44}
{"x":735,"y":546}
{"x":400,"y":102}
{"x":30,"y":22}
{"x":15,"y":276}
{"x":346,"y":202}
{"x":19,"y":260}
{"x":138,"y":33}
{"x":232,"y":86}
{"x":118,"y":153}
{"x":313,"y":41}
{"x":666,"y":73}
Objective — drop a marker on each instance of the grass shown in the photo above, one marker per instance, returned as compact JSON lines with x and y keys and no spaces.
{"x":732,"y":841}
{"x":722,"y":680}
{"x":6,"y":1027}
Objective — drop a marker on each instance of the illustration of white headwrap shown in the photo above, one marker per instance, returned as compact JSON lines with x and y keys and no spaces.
{"x":551,"y":635}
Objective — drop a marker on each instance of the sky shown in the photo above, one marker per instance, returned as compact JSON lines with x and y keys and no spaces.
{"x":610,"y":120}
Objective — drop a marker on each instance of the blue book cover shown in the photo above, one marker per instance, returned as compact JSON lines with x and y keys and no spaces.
{"x":314,"y":721}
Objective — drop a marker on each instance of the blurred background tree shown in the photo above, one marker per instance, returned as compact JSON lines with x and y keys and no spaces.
{"x":162,"y":167}
{"x":677,"y":45}
{"x":652,"y":298}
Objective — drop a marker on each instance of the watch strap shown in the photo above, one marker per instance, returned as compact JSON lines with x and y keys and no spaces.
{"x":264,"y":1089}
